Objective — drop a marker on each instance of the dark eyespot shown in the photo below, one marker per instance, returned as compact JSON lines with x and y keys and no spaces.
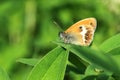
{"x":91,"y":23}
{"x":80,"y":27}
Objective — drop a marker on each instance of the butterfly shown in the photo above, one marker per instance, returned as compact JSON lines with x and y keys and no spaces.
{"x":81,"y":33}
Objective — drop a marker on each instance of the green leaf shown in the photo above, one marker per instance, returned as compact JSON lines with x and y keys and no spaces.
{"x":78,"y":63}
{"x":92,"y":77}
{"x":102,"y":77}
{"x":95,"y":70}
{"x":3,"y":75}
{"x":115,"y":51}
{"x":91,"y":70}
{"x":117,"y":59}
{"x":75,"y":76}
{"x":91,"y":56}
{"x":30,"y":62}
{"x":111,"y":43}
{"x":111,"y":78}
{"x":50,"y":67}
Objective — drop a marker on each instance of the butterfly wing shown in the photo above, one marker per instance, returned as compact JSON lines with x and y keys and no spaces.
{"x":83,"y":31}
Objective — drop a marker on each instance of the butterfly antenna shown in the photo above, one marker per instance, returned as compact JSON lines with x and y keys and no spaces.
{"x":58,"y":26}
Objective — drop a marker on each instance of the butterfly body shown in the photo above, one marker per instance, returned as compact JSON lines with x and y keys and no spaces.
{"x":80,"y":33}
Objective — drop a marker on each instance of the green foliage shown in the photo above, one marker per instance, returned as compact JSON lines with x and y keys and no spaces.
{"x":111,"y":44}
{"x":93,"y":57}
{"x":50,"y":67}
{"x":27,"y":30}
{"x":30,"y":62}
{"x":53,"y":65}
{"x":3,"y":75}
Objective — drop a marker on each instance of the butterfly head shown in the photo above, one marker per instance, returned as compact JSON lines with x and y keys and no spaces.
{"x":67,"y":37}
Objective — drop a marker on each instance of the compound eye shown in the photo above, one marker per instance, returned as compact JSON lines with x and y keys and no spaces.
{"x":61,"y":34}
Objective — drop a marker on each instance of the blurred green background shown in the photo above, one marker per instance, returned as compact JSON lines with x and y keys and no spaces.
{"x":27,"y":27}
